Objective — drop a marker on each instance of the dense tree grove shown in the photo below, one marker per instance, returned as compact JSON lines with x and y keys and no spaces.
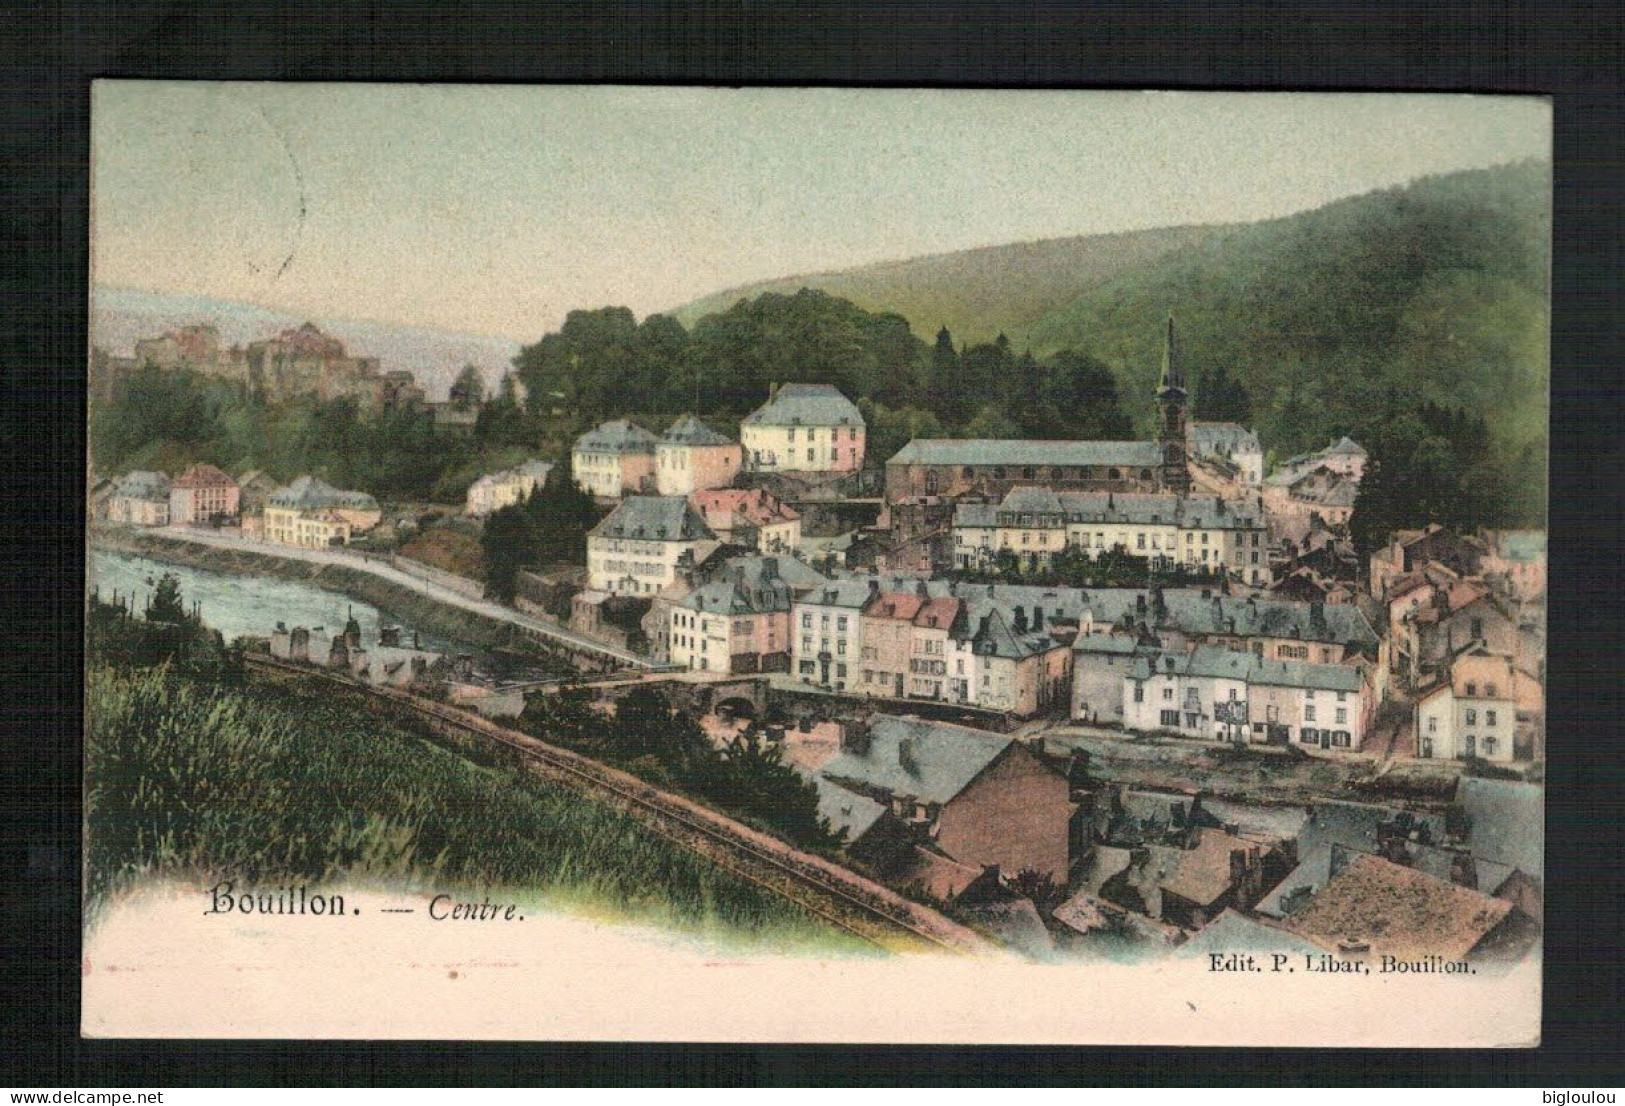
{"x":549,"y":527}
{"x":746,"y":777}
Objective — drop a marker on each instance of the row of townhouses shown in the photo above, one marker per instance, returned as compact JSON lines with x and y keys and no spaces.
{"x":1033,"y":525}
{"x":802,"y":428}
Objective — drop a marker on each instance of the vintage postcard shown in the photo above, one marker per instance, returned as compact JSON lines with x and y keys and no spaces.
{"x":600,"y":563}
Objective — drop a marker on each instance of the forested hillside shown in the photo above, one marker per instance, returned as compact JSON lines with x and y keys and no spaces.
{"x":1436,"y":291}
{"x":978,"y":293}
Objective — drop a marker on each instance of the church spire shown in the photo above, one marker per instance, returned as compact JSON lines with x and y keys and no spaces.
{"x":1173,"y":376}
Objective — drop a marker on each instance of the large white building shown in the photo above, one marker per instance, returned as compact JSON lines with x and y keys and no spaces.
{"x":312,"y":514}
{"x":1474,"y":712}
{"x":1225,"y":695}
{"x":615,"y":458}
{"x":1033,"y":524}
{"x":804,"y":428}
{"x":826,"y":633}
{"x":635,"y":550}
{"x":140,"y":498}
{"x":1230,"y":442}
{"x":494,"y":491}
{"x":692,"y":457}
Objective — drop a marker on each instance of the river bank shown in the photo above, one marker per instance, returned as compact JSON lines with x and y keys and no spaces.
{"x":442,"y":619}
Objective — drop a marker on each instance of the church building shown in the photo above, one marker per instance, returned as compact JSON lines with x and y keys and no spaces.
{"x":988,"y":468}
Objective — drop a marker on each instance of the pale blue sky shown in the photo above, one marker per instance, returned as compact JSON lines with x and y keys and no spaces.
{"x":497,"y":209}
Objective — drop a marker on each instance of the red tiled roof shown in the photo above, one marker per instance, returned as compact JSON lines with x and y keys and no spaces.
{"x":1398,"y":910}
{"x":203,"y":476}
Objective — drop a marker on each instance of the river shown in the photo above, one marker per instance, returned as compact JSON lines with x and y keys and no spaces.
{"x":238,"y":605}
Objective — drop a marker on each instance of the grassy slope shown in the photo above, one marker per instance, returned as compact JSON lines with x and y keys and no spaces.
{"x":978,"y":293}
{"x":188,"y":779}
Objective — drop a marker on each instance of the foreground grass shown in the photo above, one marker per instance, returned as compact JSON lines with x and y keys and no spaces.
{"x":267,"y":782}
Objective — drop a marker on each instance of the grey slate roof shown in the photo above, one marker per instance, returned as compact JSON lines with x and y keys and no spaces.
{"x":932,"y":761}
{"x":1189,"y":612}
{"x":1506,"y":822}
{"x":992,"y":451}
{"x":654,"y":518}
{"x":1355,"y":826}
{"x":1214,"y":436}
{"x":752,"y":568}
{"x":616,"y":436}
{"x":997,"y":636}
{"x":310,"y":494}
{"x":806,"y":405}
{"x":850,"y":593}
{"x":690,"y":431}
{"x":1311,"y":874}
{"x":731,"y":597}
{"x":142,"y":484}
{"x":1192,"y":512}
{"x":845,"y":809}
{"x":1216,"y":662}
{"x":1233,"y":932}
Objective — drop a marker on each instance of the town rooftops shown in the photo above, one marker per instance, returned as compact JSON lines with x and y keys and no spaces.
{"x":937,"y":614}
{"x":307,"y":493}
{"x":616,"y":436}
{"x":1188,"y":610}
{"x":1215,"y":662}
{"x":690,"y":431}
{"x":142,"y":484}
{"x":1120,"y":645}
{"x":931,"y":761}
{"x":1524,"y":546}
{"x":734,"y":597}
{"x":900,"y":605}
{"x":846,"y":593}
{"x":1056,"y":508}
{"x":1233,"y":932}
{"x":1505,"y":822}
{"x":1223,"y":435}
{"x":996,"y":635}
{"x":806,"y":405}
{"x":846,"y":810}
{"x":203,"y":476}
{"x":654,"y":518}
{"x":1363,"y":826}
{"x":1024,"y":452}
{"x":750,"y":568}
{"x":1399,"y":911}
{"x":751,"y":505}
{"x":533,"y":469}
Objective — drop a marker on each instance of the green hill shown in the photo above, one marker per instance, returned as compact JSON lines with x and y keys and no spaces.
{"x":1438,"y":291}
{"x":978,"y":293}
{"x":1435,"y":292}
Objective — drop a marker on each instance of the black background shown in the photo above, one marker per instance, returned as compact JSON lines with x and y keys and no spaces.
{"x":1569,"y":51}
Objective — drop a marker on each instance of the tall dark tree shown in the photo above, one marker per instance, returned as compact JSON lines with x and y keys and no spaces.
{"x":468,"y":390}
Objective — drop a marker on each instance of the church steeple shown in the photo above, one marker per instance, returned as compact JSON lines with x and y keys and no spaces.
{"x":1173,"y":374}
{"x":1176,"y":475}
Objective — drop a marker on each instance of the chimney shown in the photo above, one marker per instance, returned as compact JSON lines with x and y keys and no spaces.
{"x":855,"y":736}
{"x":1317,"y":615}
{"x":770,"y":568}
{"x":905,"y":756}
{"x":1038,"y":618}
{"x":874,"y":588}
{"x":921,"y":590}
{"x":415,"y":644}
{"x":1139,"y":603}
{"x":1020,"y":624}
